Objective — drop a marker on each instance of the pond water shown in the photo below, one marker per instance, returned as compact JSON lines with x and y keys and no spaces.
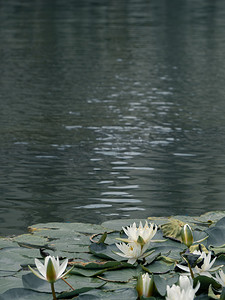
{"x":110,"y":109}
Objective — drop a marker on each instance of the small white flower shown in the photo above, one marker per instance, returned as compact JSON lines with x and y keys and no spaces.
{"x":132,"y":251}
{"x":51,"y":270}
{"x":220,"y":278}
{"x":143,"y":233}
{"x":183,"y":291}
{"x":206,"y":266}
{"x":145,"y":285}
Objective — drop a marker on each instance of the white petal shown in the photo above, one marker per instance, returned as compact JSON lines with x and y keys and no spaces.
{"x":37,"y":274}
{"x":41,"y":268}
{"x":183,"y":268}
{"x":121,"y":254}
{"x":131,"y":261}
{"x":62,"y":268}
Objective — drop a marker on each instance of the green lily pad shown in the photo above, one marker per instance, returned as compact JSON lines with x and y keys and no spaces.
{"x":10,"y":282}
{"x":205,"y":282}
{"x":122,"y":275}
{"x":30,"y":240}
{"x":7,"y":243}
{"x":217,"y":250}
{"x":24,"y":294}
{"x":216,"y":234}
{"x":61,"y":246}
{"x":76,"y":227}
{"x":105,"y":251}
{"x":125,"y":293}
{"x":103,"y":265}
{"x":159,"y":267}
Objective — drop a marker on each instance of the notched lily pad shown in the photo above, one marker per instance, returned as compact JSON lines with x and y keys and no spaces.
{"x":172,"y":229}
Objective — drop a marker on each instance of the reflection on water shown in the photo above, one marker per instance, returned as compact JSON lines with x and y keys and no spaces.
{"x":110,"y":110}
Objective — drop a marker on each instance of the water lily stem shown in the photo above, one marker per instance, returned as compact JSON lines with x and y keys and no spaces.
{"x":53,"y":291}
{"x":68,"y":284}
{"x":192,"y":274}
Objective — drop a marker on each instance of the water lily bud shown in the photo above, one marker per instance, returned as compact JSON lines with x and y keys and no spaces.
{"x":140,"y":241}
{"x":51,"y":272}
{"x":145,"y":285}
{"x":187,"y":235}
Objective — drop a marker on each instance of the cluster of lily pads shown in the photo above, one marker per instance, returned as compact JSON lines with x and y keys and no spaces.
{"x":163,"y":258}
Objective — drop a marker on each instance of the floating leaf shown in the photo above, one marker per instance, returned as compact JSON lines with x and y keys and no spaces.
{"x":30,"y":240}
{"x":172,"y":229}
{"x":24,"y":294}
{"x":69,"y":227}
{"x":102,"y":265}
{"x":105,"y":251}
{"x":216,"y":234}
{"x":125,"y":293}
{"x":8,"y":283}
{"x":122,"y":275}
{"x":217,"y":250}
{"x":158,"y":267}
{"x":205,"y":282}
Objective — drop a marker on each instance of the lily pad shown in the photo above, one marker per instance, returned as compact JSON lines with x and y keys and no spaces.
{"x":125,"y":293}
{"x":10,"y":282}
{"x":24,"y":294}
{"x":216,"y":234}
{"x":76,"y":227}
{"x":105,"y":251}
{"x":30,"y":240}
{"x":159,"y":267}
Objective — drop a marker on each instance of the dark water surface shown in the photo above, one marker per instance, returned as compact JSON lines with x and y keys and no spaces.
{"x":110,"y":109}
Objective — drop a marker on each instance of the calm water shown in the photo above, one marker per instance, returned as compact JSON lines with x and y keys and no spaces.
{"x":110,"y":109}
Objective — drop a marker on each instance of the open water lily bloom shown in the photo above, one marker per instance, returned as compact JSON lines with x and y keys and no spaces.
{"x":183,"y":291}
{"x":131,"y":251}
{"x":51,"y":270}
{"x":206,"y":266}
{"x":134,"y":233}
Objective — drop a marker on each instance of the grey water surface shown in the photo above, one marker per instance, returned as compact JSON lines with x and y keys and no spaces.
{"x":110,"y":109}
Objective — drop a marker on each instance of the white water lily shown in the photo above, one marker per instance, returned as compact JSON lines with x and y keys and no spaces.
{"x":132,"y":251}
{"x":183,"y":291}
{"x":141,"y":234}
{"x":206,"y":266}
{"x":51,"y":270}
{"x":145,"y":285}
{"x":220,"y":278}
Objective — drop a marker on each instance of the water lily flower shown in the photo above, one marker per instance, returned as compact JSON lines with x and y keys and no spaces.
{"x":132,"y":251}
{"x":220,"y":278}
{"x":206,"y":266}
{"x":141,"y":234}
{"x":187,"y":235}
{"x":51,"y":270}
{"x":183,"y":291}
{"x":145,"y":285}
